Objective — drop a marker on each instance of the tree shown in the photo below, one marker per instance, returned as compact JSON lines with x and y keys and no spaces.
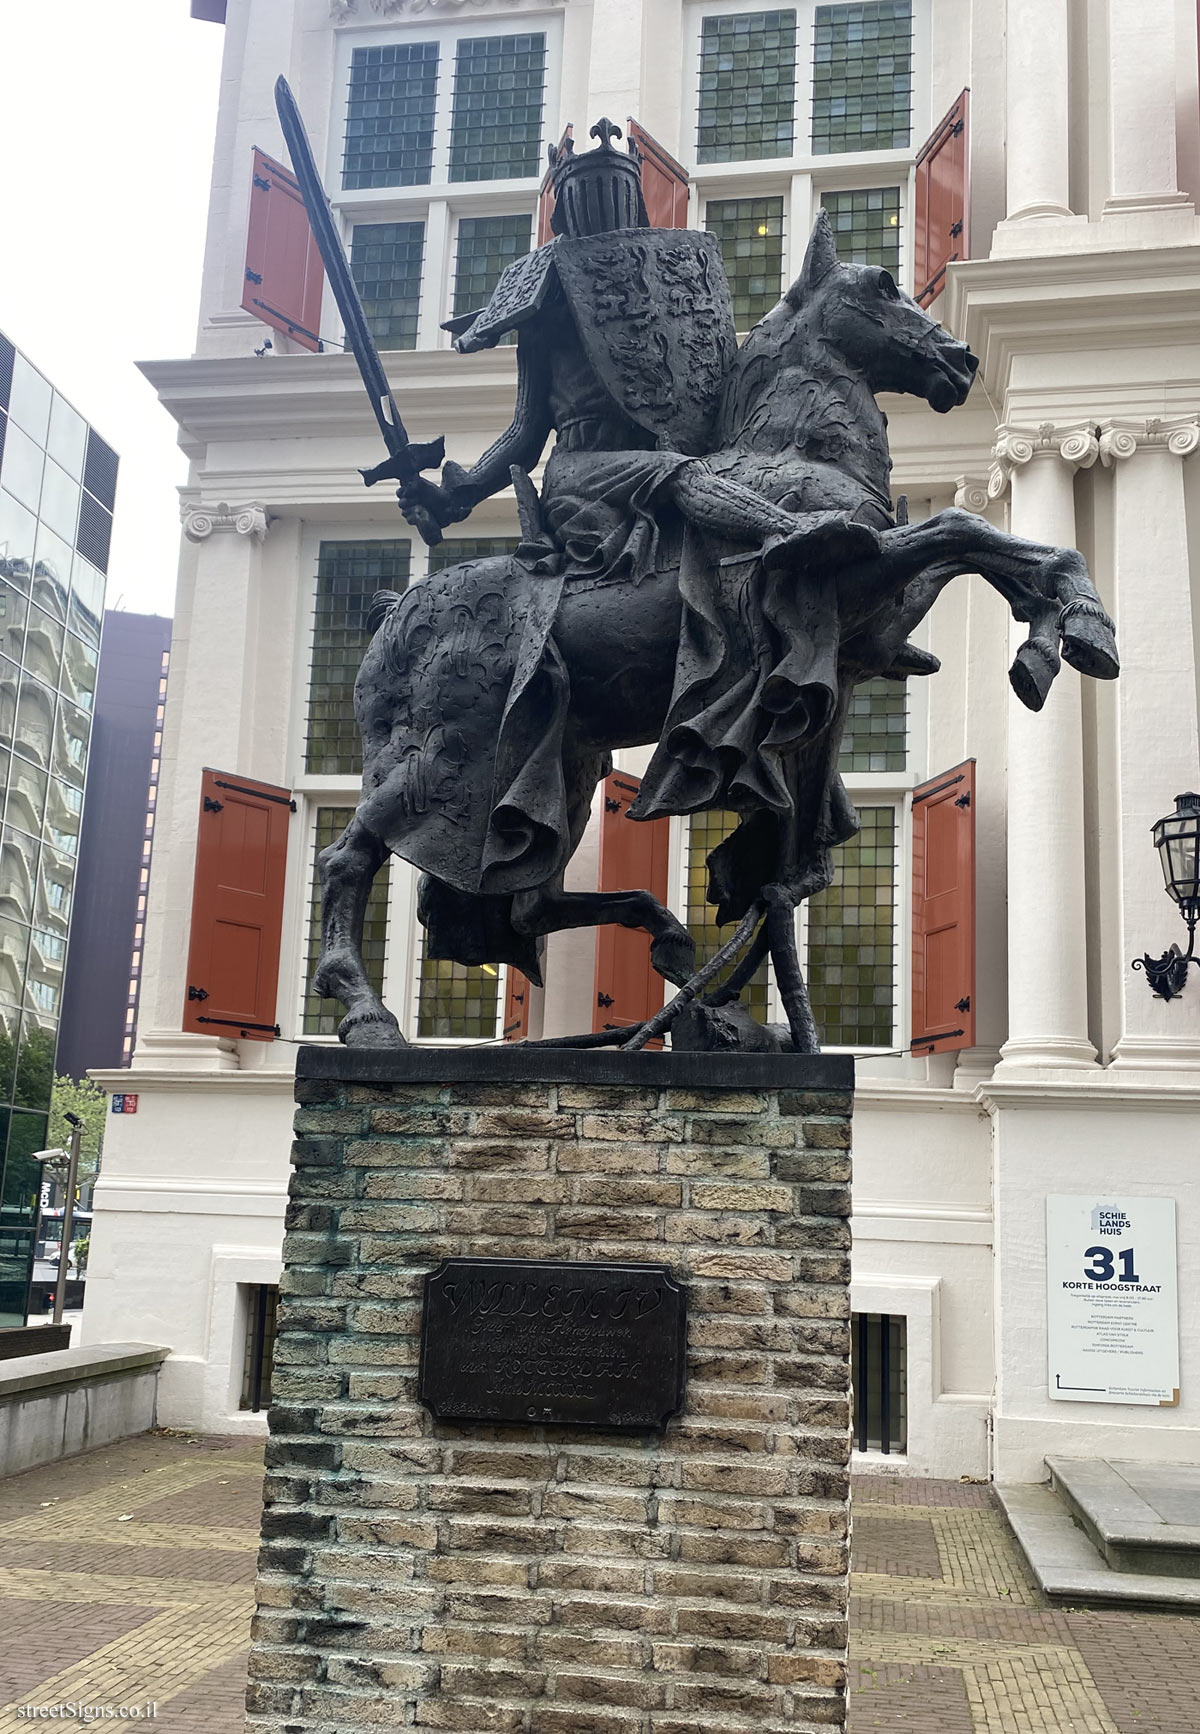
{"x":90,"y":1102}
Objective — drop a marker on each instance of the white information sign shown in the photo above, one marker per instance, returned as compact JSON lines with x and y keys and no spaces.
{"x":1112,"y":1310}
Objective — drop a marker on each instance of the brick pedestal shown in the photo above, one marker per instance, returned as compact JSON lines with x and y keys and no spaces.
{"x":544,"y":1578}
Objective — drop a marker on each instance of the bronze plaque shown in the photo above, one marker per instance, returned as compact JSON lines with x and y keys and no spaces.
{"x":581,"y":1345}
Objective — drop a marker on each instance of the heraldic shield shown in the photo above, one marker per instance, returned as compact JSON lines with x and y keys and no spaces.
{"x":654,"y":314}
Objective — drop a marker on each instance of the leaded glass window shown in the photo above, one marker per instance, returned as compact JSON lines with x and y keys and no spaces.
{"x":496,"y":124}
{"x":390,"y":116}
{"x":747,"y":87}
{"x":322,"y":1016}
{"x":454,"y":1001}
{"x":876,"y":728}
{"x":751,"y":235}
{"x":862,"y":77}
{"x":705,"y":831}
{"x":386,"y":261}
{"x":348,"y":575}
{"x":866,"y":226}
{"x":450,"y":552}
{"x":852,"y":939}
{"x":485,"y":246}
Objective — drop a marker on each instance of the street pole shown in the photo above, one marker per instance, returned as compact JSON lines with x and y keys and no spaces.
{"x":64,"y":1251}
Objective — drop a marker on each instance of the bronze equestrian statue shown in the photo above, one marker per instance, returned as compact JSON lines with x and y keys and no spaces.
{"x":712,"y":565}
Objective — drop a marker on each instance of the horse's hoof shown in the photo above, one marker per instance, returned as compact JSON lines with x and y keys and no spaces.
{"x":1089,"y":642}
{"x":673,"y":955}
{"x":370,"y":1030}
{"x":1035,"y":667}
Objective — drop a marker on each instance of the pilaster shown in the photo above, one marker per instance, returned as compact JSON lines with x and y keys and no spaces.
{"x":209,"y":714}
{"x":1142,"y":167}
{"x":1047,"y":913}
{"x":1158,"y":738}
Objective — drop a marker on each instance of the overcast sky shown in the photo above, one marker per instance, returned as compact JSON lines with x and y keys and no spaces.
{"x":106,"y":135}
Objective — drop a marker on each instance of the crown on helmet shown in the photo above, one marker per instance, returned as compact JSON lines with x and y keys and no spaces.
{"x":599,"y":190}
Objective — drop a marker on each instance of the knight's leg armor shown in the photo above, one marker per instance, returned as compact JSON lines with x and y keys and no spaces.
{"x":716,"y":503}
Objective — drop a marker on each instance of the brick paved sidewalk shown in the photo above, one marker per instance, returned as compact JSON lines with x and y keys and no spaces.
{"x":948,"y":1635}
{"x":126,"y":1577}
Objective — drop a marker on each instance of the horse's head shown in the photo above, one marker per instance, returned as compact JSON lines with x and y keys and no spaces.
{"x":858,"y":312}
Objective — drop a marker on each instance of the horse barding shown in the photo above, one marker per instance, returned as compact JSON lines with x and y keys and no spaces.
{"x":493,"y":694}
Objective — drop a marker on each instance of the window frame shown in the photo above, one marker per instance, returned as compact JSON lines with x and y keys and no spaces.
{"x":892,"y":789}
{"x":440,"y":202}
{"x":313,"y":790}
{"x":802,"y":177}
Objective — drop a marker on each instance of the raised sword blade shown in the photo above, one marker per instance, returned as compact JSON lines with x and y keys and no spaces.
{"x":406,"y":460}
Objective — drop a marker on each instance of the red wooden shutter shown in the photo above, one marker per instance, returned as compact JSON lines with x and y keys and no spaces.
{"x":516,"y":1006}
{"x":633,"y":857}
{"x":943,"y":924}
{"x":237,"y":908}
{"x":285,"y":278}
{"x":943,"y":202}
{"x":545,"y":208}
{"x":664,"y":181}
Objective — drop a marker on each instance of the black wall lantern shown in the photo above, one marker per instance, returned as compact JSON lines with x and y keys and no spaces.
{"x":1177,"y":839}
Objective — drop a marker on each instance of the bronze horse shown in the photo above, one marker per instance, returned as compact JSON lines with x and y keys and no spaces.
{"x":621,"y":665}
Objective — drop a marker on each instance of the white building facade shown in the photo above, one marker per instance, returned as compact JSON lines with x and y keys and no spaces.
{"x":1079,"y":292}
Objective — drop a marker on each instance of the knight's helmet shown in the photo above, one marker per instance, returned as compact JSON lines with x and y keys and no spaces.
{"x":599,"y":190}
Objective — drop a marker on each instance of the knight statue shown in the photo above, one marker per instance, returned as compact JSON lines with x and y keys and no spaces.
{"x":624,"y":342}
{"x":710,"y":568}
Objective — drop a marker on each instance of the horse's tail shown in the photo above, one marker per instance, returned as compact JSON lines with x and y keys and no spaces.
{"x":382,"y":604}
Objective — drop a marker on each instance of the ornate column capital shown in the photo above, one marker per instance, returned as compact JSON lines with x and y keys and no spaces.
{"x":1120,"y":438}
{"x":200,"y":522}
{"x":971,"y":494}
{"x":1072,"y":443}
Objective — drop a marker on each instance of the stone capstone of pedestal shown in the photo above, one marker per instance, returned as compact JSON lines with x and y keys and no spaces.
{"x":553,"y":1579}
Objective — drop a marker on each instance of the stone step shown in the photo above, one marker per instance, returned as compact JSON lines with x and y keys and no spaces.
{"x":1068,"y":1568}
{"x":1143,"y":1517}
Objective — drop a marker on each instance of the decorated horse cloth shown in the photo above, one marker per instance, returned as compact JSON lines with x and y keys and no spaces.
{"x":472,"y":787}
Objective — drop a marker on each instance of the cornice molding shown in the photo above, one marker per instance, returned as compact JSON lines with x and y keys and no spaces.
{"x":1130,"y":301}
{"x":1074,"y":444}
{"x":201,"y":522}
{"x":365,"y":11}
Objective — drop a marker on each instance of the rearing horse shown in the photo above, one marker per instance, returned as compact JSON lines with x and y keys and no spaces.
{"x":493,"y":693}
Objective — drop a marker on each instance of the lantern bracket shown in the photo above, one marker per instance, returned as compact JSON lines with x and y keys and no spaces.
{"x":1168,"y":974}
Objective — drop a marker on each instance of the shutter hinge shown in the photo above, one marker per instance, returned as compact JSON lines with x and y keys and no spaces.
{"x":611,"y":806}
{"x":963,"y":800}
{"x":956,"y":131}
{"x":632,"y":788}
{"x":964,"y":1004}
{"x":956,"y":230}
{"x":240,"y":1024}
{"x":259,"y":794}
{"x":253,"y":276}
{"x":211,"y":806}
{"x":604,"y":1000}
{"x":197,"y":993}
{"x":259,"y":181}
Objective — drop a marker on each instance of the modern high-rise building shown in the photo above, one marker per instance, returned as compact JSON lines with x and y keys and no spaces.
{"x":57,"y":486}
{"x":104,"y":966}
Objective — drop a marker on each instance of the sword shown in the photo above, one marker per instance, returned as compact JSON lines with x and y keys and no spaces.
{"x":405,"y":459}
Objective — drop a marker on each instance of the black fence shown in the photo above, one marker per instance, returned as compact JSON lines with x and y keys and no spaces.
{"x":261,"y":1301}
{"x":879,"y":1369}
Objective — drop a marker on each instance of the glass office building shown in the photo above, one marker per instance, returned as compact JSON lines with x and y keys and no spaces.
{"x":57,"y":486}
